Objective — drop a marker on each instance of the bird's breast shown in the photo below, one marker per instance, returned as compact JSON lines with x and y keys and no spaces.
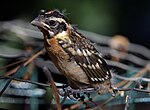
{"x":61,"y":59}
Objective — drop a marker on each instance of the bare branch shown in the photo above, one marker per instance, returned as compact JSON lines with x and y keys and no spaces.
{"x":22,"y":80}
{"x":12,"y":64}
{"x":54,"y":88}
{"x":34,"y":56}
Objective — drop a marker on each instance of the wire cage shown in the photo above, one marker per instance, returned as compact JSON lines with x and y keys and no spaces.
{"x":25,"y":85}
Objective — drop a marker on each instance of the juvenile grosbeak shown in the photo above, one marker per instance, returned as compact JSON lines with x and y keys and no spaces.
{"x":73,"y":54}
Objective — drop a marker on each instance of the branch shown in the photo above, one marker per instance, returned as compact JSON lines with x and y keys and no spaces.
{"x":19,"y":67}
{"x":12,"y":64}
{"x":54,"y":88}
{"x":22,"y":80}
{"x":34,"y":56}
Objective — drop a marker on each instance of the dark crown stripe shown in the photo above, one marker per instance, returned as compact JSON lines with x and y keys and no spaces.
{"x":57,"y":14}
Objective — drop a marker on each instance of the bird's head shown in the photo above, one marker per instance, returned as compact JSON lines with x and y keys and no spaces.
{"x":51,"y":23}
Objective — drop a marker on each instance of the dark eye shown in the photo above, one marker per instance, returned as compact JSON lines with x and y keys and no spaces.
{"x":52,"y":23}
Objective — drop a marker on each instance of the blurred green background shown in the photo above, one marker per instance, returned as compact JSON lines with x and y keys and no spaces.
{"x":108,"y":17}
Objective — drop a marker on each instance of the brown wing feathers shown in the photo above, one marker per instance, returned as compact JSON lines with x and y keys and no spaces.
{"x":90,"y":60}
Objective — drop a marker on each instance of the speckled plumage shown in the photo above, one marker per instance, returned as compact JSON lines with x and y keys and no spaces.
{"x":73,"y":54}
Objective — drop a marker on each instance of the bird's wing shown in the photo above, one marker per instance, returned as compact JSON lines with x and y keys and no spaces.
{"x":90,"y":60}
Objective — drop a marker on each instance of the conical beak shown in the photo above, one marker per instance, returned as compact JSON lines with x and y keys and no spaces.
{"x":40,"y":24}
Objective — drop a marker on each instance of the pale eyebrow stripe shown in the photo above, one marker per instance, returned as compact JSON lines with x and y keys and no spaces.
{"x":58,"y":19}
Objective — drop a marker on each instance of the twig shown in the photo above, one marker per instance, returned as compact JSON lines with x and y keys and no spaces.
{"x":104,"y":103}
{"x":12,"y":71}
{"x":22,"y":80}
{"x":72,"y":107}
{"x":17,"y":69}
{"x":12,"y":64}
{"x":34,"y":56}
{"x":54,"y":88}
{"x":29,"y":71}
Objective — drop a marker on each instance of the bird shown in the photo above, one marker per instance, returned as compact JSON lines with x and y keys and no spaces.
{"x":72,"y":53}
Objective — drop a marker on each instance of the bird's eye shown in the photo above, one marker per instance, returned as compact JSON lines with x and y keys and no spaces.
{"x":52,"y":23}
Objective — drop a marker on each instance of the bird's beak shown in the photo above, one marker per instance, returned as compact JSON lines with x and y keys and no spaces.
{"x":40,"y":24}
